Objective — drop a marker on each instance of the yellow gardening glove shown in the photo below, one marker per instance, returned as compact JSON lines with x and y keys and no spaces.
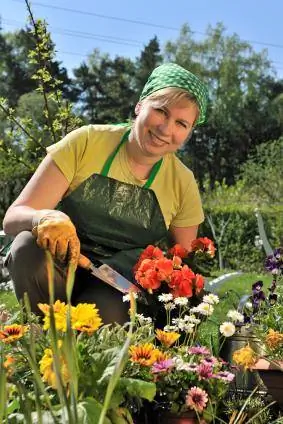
{"x":54,"y":231}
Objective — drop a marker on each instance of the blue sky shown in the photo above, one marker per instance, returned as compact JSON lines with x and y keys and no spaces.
{"x":256,"y":21}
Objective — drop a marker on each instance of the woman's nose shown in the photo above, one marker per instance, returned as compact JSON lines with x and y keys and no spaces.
{"x":166,"y":126}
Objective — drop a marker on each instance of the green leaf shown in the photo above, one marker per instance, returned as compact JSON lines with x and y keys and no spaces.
{"x":138,"y":388}
{"x":89,"y":412}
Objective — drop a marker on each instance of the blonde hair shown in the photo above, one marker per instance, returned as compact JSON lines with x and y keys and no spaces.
{"x":170,"y":95}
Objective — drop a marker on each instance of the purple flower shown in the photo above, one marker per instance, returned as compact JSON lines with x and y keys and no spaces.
{"x":162,"y":366}
{"x":198,"y":350}
{"x":274,"y":262}
{"x":257,"y":286}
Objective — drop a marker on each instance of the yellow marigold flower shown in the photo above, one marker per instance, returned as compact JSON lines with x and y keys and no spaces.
{"x":85,"y":317}
{"x":10,"y":333}
{"x":143,"y":354}
{"x":60,"y":314}
{"x":167,"y":338}
{"x":246,"y":357}
{"x":274,"y":339}
{"x":46,"y":367}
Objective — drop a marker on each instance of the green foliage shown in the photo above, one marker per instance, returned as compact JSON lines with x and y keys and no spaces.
{"x":106,"y":88}
{"x":240,"y":115}
{"x":237,"y":242}
{"x":262,"y":174}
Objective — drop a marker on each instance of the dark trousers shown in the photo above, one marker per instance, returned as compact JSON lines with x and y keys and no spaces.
{"x":26,"y":263}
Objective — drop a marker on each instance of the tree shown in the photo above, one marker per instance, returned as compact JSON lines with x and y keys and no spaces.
{"x":106,"y":88}
{"x":262,"y":174}
{"x":149,"y":58}
{"x":240,"y":115}
{"x":16,"y":70}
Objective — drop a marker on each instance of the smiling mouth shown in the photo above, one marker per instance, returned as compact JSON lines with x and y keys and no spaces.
{"x":158,"y":138}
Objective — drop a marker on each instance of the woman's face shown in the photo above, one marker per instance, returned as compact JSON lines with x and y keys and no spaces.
{"x":163,"y":129}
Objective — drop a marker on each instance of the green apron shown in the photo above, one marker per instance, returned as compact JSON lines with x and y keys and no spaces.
{"x":115,"y":221}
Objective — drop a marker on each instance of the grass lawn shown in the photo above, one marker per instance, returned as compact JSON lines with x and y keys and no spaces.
{"x":230,"y":293}
{"x":9,"y":299}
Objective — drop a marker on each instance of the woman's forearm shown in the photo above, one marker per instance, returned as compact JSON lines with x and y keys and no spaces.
{"x":17,"y":219}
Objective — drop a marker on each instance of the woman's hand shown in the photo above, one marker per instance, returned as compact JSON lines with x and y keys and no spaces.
{"x":54,"y":231}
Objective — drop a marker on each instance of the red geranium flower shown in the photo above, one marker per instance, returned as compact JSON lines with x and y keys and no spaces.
{"x":164,"y":269}
{"x":147,"y":275}
{"x":182,"y":282}
{"x":198,"y":283}
{"x":178,"y":250}
{"x":203,"y":244}
{"x":150,"y":252}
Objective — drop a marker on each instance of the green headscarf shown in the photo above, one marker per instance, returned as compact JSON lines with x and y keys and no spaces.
{"x":173,"y":75}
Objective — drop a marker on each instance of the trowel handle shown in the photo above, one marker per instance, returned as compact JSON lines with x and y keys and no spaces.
{"x":84,"y":262}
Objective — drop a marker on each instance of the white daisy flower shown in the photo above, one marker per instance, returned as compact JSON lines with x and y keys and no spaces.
{"x":211,"y":298}
{"x":235,"y":316}
{"x":249,"y":305}
{"x":169,"y":328}
{"x":165,"y":297}
{"x":169,"y":306}
{"x":191,"y":318}
{"x":227,"y":329}
{"x":143,"y":320}
{"x":204,"y":309}
{"x":182,"y":301}
{"x":189,"y":328}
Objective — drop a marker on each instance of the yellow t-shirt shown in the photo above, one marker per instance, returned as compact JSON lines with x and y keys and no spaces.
{"x":84,"y":151}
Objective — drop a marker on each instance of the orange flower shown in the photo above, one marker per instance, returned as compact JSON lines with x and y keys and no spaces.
{"x":167,"y":338}
{"x":11,"y":333}
{"x":203,"y":244}
{"x":182,"y":282}
{"x":198,"y":283}
{"x":151,"y":252}
{"x":177,"y":262}
{"x":164,"y":269}
{"x":147,"y":275}
{"x":178,"y":250}
{"x":8,"y":364}
{"x":274,"y":339}
{"x":161,"y":356}
{"x":143,"y":354}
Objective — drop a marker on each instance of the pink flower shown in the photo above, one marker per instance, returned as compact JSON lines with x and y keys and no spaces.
{"x":196,"y":399}
{"x":225,"y":376}
{"x":204,"y":371}
{"x":198,"y":350}
{"x":162,"y":366}
{"x":210,"y":360}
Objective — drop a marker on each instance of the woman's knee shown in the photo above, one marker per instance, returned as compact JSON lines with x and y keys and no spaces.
{"x":25,"y":257}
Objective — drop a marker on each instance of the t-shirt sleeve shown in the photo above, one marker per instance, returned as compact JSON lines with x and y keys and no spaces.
{"x":68,"y":152}
{"x":190,"y":212}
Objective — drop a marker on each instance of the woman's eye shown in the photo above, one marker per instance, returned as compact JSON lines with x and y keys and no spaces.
{"x":182,"y":124}
{"x":162,"y":111}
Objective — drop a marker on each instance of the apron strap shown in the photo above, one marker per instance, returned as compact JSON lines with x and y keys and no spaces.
{"x":109,"y":161}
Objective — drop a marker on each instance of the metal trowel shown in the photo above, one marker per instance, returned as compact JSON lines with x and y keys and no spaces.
{"x":107,"y":274}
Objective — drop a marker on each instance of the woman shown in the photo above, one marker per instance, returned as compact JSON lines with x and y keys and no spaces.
{"x":119,"y":188}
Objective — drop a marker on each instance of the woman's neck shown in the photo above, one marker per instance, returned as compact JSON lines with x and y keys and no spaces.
{"x":136,"y":155}
{"x":139,"y":163}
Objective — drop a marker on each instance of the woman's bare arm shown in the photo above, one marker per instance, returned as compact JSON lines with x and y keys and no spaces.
{"x":184,"y":235}
{"x":44,"y":191}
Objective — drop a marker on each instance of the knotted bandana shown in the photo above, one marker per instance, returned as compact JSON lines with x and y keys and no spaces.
{"x":173,"y":75}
